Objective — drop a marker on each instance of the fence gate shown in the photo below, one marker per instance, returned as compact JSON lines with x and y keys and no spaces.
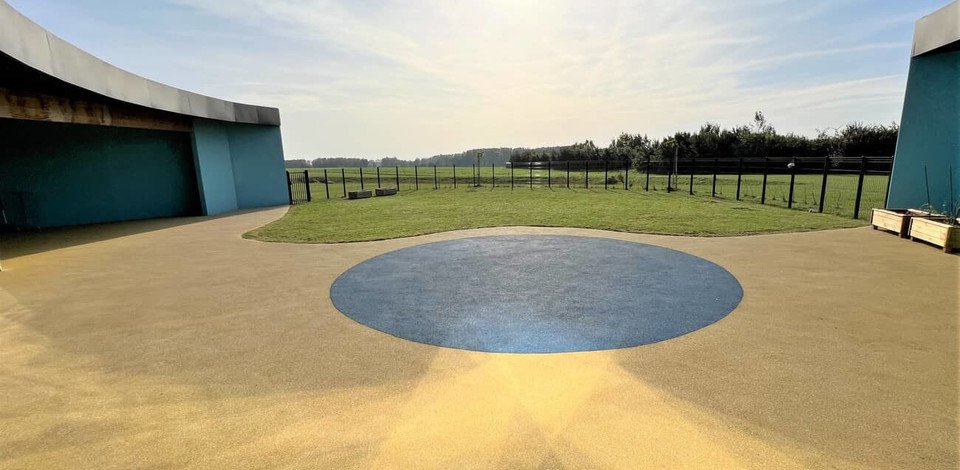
{"x":298,"y":187}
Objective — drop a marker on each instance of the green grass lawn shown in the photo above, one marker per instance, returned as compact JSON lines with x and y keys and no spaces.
{"x":840,"y":194}
{"x":430,"y":211}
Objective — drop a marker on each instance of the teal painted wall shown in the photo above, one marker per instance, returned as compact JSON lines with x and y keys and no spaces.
{"x":258,"y":170}
{"x":211,"y":148}
{"x":929,"y":134}
{"x":55,"y":174}
{"x":239,"y":166}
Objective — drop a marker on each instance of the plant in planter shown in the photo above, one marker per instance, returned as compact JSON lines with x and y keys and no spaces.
{"x":941,"y":229}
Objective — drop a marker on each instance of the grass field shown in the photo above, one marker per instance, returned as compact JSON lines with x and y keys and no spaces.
{"x":840,"y":193}
{"x":428,"y":211}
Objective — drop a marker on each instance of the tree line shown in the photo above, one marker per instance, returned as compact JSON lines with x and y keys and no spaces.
{"x":330,"y":162}
{"x":757,"y":139}
{"x":497,"y":156}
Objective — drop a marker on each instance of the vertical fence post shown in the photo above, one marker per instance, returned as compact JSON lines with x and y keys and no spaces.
{"x":586,"y":174}
{"x":378,"y":178}
{"x":823,"y":182}
{"x":763,"y":191}
{"x":435,"y":186}
{"x":793,"y":178}
{"x":289,"y":188}
{"x":511,"y":174}
{"x":343,"y":180}
{"x":493,"y":176}
{"x":473,"y":174}
{"x":416,"y":178}
{"x":739,"y":176}
{"x":361,"y":178}
{"x":326,"y":183}
{"x":306,"y":179}
{"x":716,"y":165}
{"x":863,"y":171}
{"x":549,"y":174}
{"x":646,"y":186}
{"x":606,"y":174}
{"x":568,"y":174}
{"x":531,"y":174}
{"x":396,"y":169}
{"x":454,"y":176}
{"x":693,"y":168}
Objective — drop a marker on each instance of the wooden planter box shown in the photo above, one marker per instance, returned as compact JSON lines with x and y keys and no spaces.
{"x":936,"y":231}
{"x":895,"y":220}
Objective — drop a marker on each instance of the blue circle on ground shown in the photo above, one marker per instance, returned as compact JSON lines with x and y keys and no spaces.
{"x":536,"y":293}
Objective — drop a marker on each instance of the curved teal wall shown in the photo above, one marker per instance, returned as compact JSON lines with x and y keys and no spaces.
{"x":55,"y":174}
{"x":929,"y":134}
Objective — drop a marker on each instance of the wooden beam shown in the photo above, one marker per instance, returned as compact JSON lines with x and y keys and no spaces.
{"x":25,"y":105}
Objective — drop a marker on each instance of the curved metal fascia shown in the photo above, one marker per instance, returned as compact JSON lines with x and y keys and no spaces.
{"x":937,"y":30}
{"x":40,"y":49}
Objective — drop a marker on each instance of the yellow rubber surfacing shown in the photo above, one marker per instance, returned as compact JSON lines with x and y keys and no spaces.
{"x":180,"y":344}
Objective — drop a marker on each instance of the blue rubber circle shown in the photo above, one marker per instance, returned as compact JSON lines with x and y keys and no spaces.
{"x":536,"y":293}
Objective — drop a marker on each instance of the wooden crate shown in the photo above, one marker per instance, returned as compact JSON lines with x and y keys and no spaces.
{"x":895,"y":220}
{"x":936,"y":231}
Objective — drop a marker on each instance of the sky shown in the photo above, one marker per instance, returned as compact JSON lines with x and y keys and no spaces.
{"x":408,"y":79}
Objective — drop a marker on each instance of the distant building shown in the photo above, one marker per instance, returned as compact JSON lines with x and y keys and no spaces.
{"x":927,"y":161}
{"x":82,"y":141}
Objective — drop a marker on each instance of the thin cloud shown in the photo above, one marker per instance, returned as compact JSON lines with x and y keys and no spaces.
{"x":414,"y":79}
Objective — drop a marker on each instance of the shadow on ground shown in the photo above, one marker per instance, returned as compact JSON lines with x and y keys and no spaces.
{"x":826,"y":358}
{"x":17,"y":243}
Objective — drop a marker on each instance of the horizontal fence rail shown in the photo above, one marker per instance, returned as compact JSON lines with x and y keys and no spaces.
{"x":847,"y":186}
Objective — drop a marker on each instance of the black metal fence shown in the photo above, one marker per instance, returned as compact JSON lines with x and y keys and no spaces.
{"x":298,"y":187}
{"x":843,"y":186}
{"x":840,"y":186}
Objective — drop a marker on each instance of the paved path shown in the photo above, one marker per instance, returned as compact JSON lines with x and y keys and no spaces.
{"x":178,"y":343}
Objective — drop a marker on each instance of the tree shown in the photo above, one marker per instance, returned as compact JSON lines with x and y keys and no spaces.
{"x":760,"y":124}
{"x":297,"y":163}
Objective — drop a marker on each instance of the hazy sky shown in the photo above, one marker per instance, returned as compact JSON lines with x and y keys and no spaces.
{"x":408,"y":79}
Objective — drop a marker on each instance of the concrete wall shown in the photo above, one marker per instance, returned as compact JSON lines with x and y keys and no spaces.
{"x":55,"y":174}
{"x":929,"y":134}
{"x":239,"y":166}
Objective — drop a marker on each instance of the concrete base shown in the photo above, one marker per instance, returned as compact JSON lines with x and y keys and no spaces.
{"x":181,"y":344}
{"x":386,"y":191}
{"x":359,"y":194}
